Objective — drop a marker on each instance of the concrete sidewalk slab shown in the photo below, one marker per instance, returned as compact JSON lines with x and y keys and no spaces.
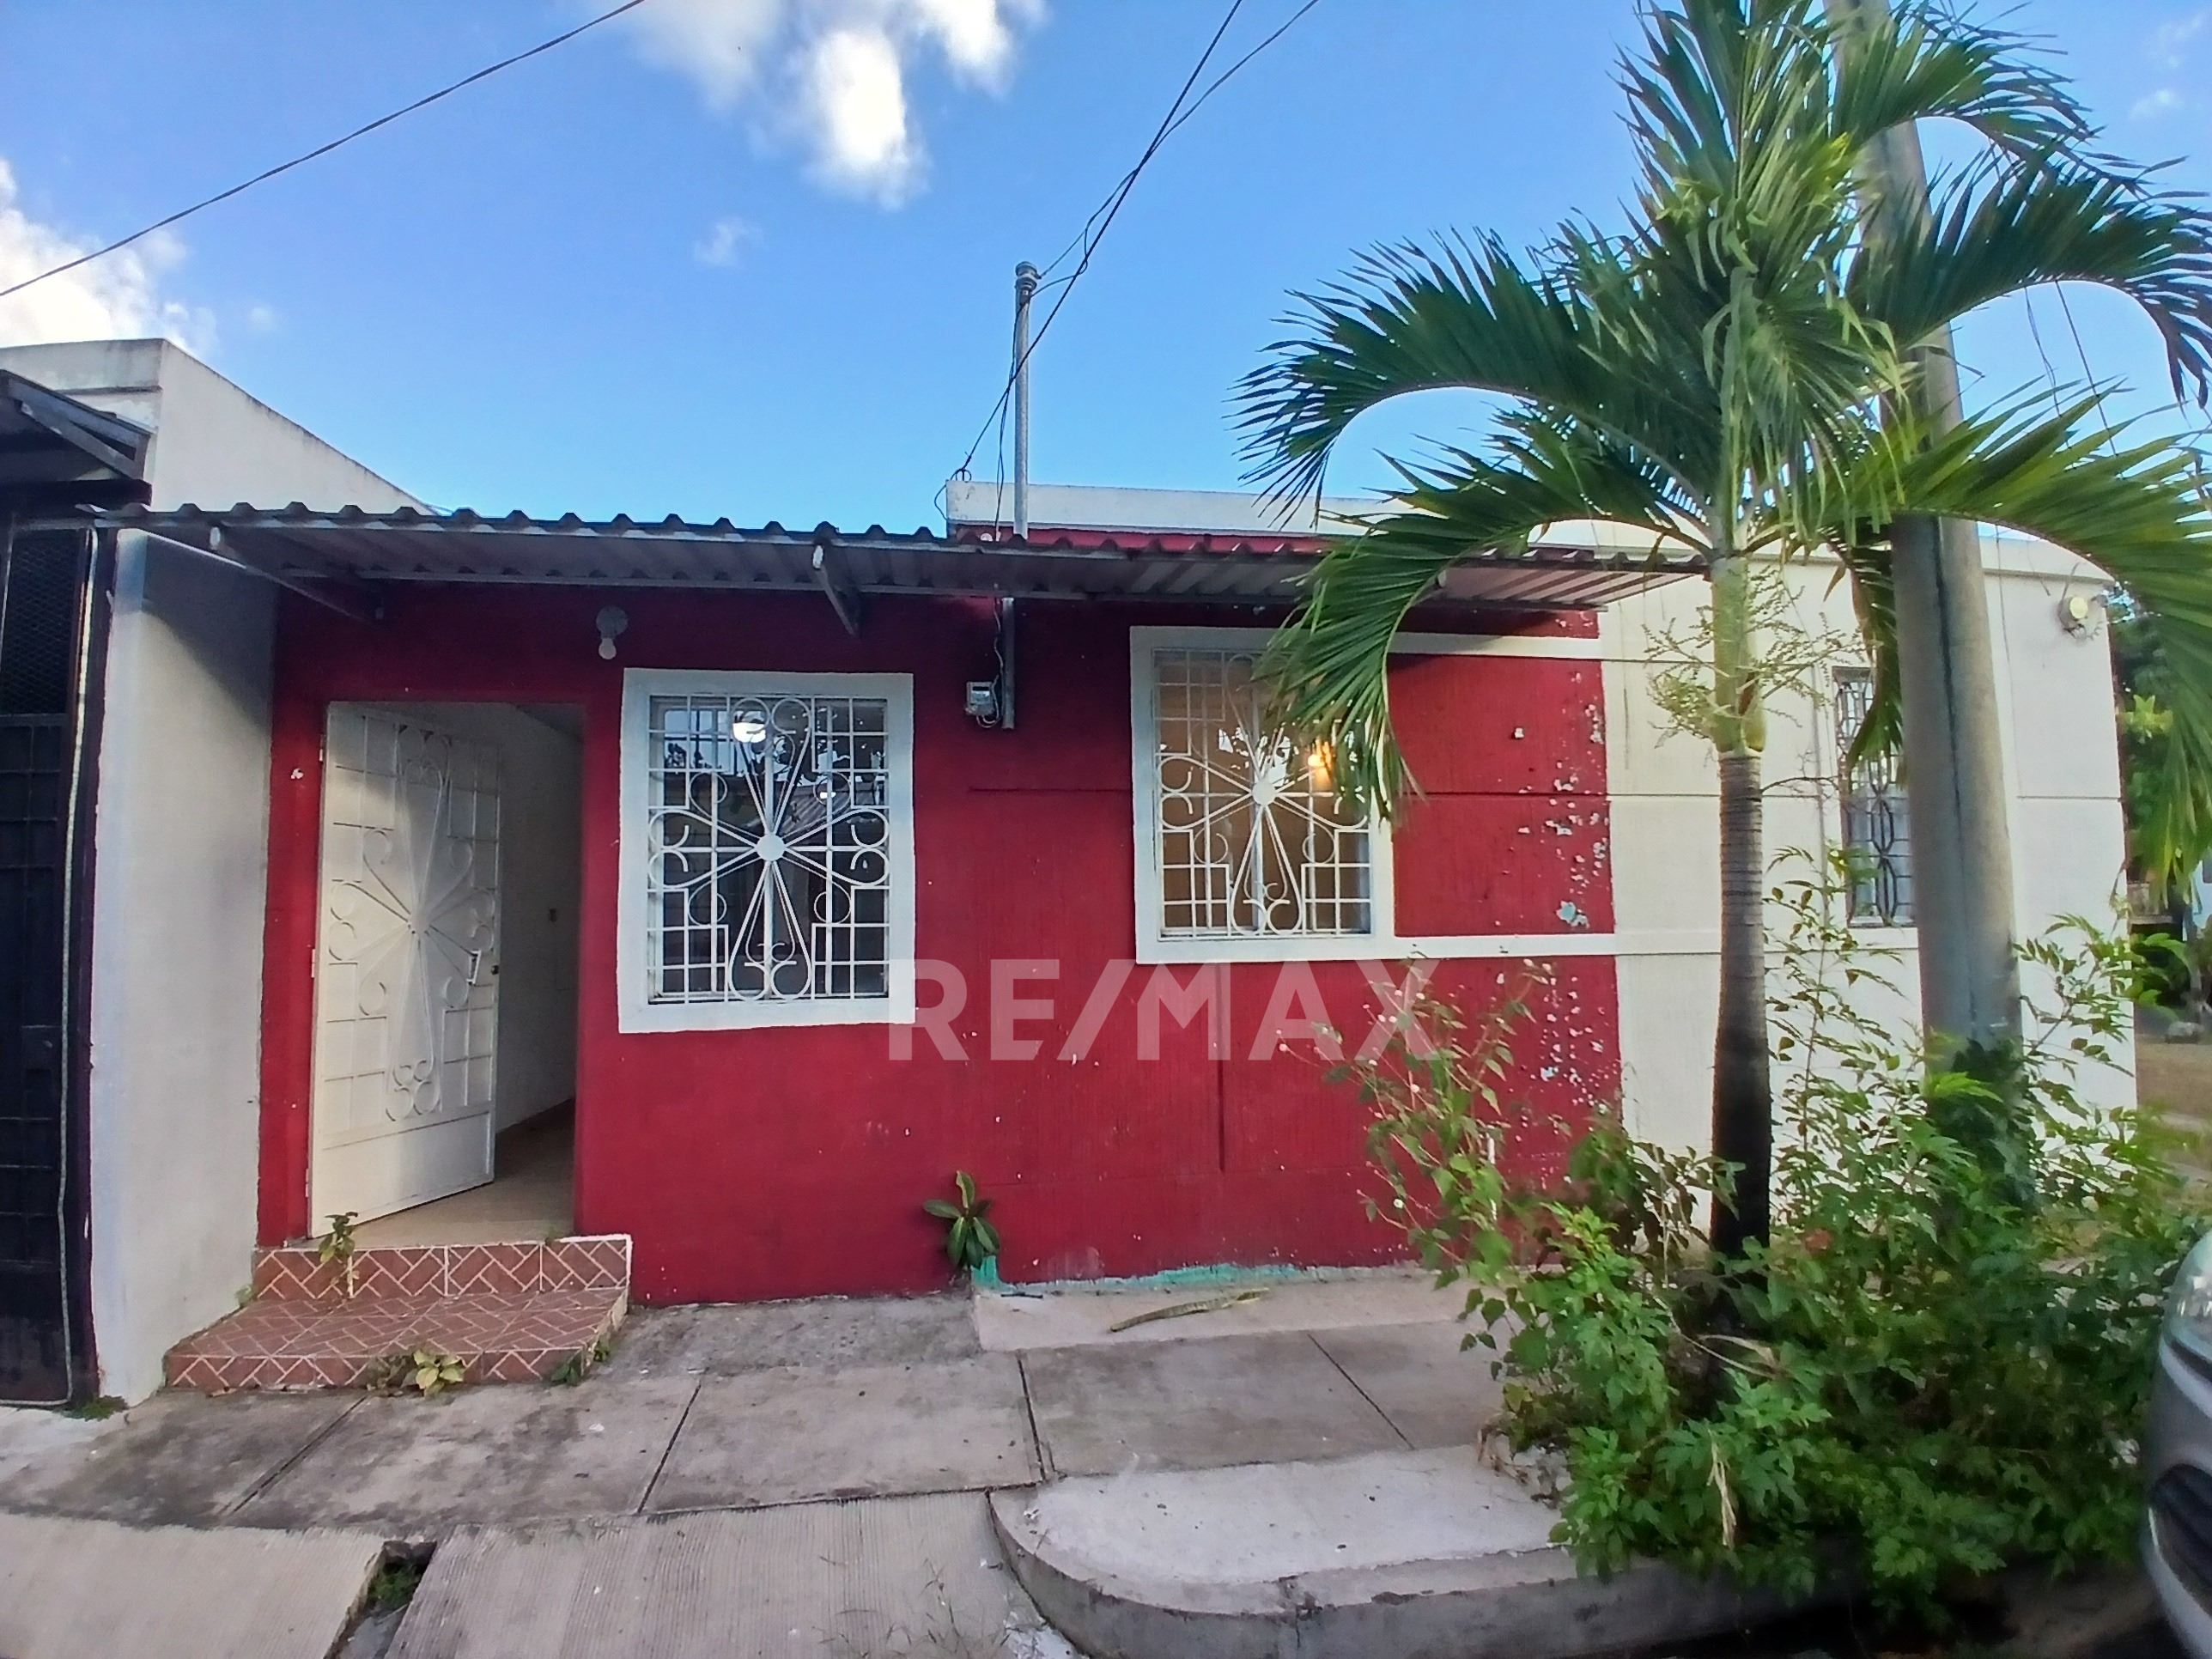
{"x":827,"y":1333}
{"x":1232,"y":1399}
{"x":1072,"y":1316}
{"x":790,"y":1435}
{"x":1434,"y":1391}
{"x":878,"y":1576}
{"x":36,"y":1442}
{"x":486,"y":1455}
{"x":70,"y":1588}
{"x":1404,"y":1553}
{"x":179,"y":1458}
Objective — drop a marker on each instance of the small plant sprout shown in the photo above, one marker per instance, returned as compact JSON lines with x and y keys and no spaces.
{"x":577,"y":1365}
{"x":431,"y":1373}
{"x":337,"y":1245}
{"x":425,"y":1371}
{"x":971,"y":1240}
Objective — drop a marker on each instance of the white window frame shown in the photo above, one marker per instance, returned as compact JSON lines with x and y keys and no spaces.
{"x":636,"y":1010}
{"x":1155,"y":946}
{"x":1384,"y":943}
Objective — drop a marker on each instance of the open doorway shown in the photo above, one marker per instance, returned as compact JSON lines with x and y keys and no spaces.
{"x":446,"y":983}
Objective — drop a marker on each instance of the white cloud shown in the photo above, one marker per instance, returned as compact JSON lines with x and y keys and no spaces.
{"x":262,"y":318}
{"x":976,"y":36}
{"x":856,"y":101}
{"x":2154,"y":103}
{"x":2171,"y":45}
{"x":832,"y":74}
{"x":2170,"y":40}
{"x":117,"y":297}
{"x":725,"y":242}
{"x":720,"y":44}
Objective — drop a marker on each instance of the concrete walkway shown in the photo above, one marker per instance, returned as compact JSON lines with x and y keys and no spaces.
{"x":785,"y":1477}
{"x":746,"y":1407}
{"x":74,"y":1588}
{"x":892,"y":1576}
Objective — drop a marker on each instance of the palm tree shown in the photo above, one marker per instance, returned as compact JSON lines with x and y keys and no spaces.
{"x":1731,"y":373}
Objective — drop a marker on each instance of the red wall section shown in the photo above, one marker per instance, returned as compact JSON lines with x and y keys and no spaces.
{"x":794,"y":1161}
{"x":1511,"y":833}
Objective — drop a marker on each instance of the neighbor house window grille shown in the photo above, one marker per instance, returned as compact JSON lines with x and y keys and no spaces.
{"x":772,"y":831}
{"x":1248,"y":838}
{"x":1877,"y":830}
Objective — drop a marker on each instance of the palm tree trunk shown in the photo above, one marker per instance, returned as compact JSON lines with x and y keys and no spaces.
{"x":1743,"y":1094}
{"x":1743,"y":1091}
{"x":1954,"y":783}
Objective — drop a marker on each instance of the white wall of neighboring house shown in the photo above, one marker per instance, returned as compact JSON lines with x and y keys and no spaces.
{"x":181,"y":852}
{"x":2061,"y":755}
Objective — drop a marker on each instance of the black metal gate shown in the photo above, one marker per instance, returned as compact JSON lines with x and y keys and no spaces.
{"x":44,"y":584}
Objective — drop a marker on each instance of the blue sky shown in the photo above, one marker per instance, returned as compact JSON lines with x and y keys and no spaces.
{"x":753,"y":256}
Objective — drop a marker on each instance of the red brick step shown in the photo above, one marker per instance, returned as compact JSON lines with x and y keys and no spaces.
{"x":509,"y":1313}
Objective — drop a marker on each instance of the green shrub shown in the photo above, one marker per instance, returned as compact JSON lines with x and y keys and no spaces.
{"x":1937,"y":1367}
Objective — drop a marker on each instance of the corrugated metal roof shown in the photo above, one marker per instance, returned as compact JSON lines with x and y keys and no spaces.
{"x":300,"y":543}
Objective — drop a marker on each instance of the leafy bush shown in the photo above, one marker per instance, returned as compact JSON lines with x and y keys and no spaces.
{"x":1934,"y":1370}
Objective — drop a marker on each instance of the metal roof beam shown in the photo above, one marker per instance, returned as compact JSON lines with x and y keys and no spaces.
{"x":111,"y":440}
{"x":852,"y":608}
{"x":346,"y":596}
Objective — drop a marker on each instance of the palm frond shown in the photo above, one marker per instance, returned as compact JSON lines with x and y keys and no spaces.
{"x":1874,"y":601}
{"x":1414,"y":319}
{"x":1995,"y":232}
{"x":1925,"y":62}
{"x":2138,"y":511}
{"x":1328,"y":668}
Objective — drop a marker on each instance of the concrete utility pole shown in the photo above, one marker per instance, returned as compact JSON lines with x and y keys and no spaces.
{"x":1955,"y":789}
{"x":1025,"y":287}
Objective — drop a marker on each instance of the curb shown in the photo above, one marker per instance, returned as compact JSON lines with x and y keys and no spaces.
{"x":1532,"y":1605}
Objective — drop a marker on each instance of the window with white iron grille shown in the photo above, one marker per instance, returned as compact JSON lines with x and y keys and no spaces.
{"x":769,"y":844}
{"x":1877,"y":830}
{"x":1241,"y":838}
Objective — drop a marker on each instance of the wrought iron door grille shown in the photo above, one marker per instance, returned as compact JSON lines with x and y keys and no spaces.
{"x":770,"y":871}
{"x":1251,"y":840}
{"x":41,"y":579}
{"x":1877,"y":829}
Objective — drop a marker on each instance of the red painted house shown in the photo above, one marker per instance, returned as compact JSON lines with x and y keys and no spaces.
{"x":801,"y":925}
{"x":727,"y":889}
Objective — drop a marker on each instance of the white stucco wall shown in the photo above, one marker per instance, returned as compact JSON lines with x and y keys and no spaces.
{"x":2061,"y":755}
{"x":180,"y":852}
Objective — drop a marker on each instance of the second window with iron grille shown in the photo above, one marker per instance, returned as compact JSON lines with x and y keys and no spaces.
{"x":1243,"y":847}
{"x":1877,"y":830}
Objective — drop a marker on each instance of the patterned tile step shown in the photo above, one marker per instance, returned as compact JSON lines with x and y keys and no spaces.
{"x":498,"y":1337}
{"x":292,"y":1272}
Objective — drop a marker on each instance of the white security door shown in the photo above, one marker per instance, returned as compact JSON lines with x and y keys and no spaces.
{"x":406,"y":970}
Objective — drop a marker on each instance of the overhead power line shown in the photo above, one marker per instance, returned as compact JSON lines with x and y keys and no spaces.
{"x":485,"y":73}
{"x":1103,"y":215}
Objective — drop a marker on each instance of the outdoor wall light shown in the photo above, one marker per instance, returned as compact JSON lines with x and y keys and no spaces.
{"x":611,"y":622}
{"x":2077,"y":612}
